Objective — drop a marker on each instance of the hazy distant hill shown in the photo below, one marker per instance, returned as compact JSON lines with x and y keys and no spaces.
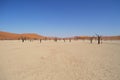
{"x":14,"y":36}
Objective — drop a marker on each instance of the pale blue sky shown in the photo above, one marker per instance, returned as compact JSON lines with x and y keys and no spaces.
{"x":60,"y":18}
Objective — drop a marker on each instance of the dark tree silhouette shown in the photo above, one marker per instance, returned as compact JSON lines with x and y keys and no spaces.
{"x":91,"y":39}
{"x":23,"y":39}
{"x":30,"y":40}
{"x":40,"y":40}
{"x":55,"y":39}
{"x":64,"y":39}
{"x":69,"y":40}
{"x":99,"y":38}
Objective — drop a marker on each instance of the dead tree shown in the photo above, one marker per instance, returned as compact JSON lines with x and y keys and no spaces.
{"x":69,"y":40}
{"x":99,"y":38}
{"x":91,"y":39}
{"x":55,"y":39}
{"x":30,"y":40}
{"x":64,"y":40}
{"x":40,"y":40}
{"x":23,"y":39}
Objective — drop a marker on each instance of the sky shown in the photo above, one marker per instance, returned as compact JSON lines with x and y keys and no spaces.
{"x":61,"y":18}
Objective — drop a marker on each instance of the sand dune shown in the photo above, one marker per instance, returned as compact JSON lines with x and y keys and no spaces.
{"x":49,"y":60}
{"x":14,"y":36}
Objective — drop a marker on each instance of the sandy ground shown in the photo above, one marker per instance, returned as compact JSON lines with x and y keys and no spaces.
{"x":49,"y":60}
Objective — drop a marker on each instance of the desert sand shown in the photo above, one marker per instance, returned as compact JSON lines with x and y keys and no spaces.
{"x":49,"y":60}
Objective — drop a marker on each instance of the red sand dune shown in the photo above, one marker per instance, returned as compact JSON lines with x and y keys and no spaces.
{"x":14,"y":36}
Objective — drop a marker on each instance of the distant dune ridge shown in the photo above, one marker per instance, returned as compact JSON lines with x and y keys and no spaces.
{"x":15,"y":36}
